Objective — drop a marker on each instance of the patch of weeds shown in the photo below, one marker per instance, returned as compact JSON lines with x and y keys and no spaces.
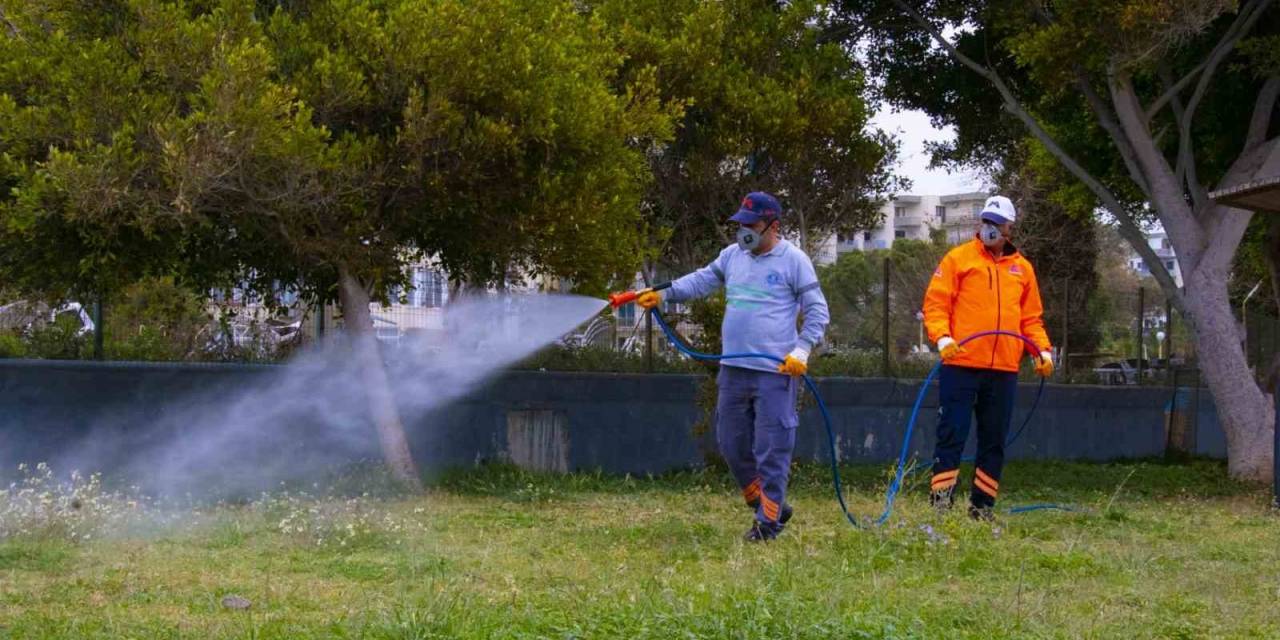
{"x":353,"y":523}
{"x":227,"y":534}
{"x":28,"y":555}
{"x":1075,"y":562}
{"x":513,"y":483}
{"x":359,"y":570}
{"x":1181,"y":618}
{"x":1117,"y":515}
{"x":40,"y":506}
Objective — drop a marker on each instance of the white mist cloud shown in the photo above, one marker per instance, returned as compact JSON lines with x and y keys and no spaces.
{"x":306,"y":418}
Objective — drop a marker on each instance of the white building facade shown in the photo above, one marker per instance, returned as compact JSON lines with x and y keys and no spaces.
{"x":1158,"y":240}
{"x":913,"y":217}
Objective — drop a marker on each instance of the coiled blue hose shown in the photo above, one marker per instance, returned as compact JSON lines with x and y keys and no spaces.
{"x":894,"y":486}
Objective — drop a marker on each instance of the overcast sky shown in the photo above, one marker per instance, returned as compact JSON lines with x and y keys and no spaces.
{"x":912,"y":128}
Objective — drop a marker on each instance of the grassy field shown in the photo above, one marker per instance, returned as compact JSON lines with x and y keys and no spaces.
{"x":1157,"y":551}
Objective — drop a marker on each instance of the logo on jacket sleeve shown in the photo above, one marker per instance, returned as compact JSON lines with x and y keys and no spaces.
{"x":1015,"y":270}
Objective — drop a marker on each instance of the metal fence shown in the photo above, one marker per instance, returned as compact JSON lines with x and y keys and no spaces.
{"x":1133,"y":336}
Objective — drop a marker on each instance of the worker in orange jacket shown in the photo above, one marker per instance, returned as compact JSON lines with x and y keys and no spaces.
{"x":981,"y":285}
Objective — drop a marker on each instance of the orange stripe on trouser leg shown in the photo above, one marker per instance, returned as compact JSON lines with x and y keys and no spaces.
{"x":769,"y":508}
{"x":982,"y":475}
{"x":751,"y":492}
{"x":944,"y":480}
{"x":982,"y":486}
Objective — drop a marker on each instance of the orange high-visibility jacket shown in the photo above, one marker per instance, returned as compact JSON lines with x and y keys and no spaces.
{"x":972,"y":292}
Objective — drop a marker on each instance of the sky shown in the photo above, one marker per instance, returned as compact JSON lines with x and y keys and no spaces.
{"x":912,"y":128}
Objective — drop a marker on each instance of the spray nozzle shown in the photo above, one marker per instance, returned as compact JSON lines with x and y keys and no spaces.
{"x":623,"y":297}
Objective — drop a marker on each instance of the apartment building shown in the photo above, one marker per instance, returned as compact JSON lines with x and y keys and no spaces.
{"x":914,"y":217}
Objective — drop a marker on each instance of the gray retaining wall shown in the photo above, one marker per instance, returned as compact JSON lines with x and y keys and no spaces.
{"x":621,"y":423}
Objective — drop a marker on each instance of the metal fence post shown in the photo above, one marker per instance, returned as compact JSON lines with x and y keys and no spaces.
{"x":321,"y":308}
{"x":1141,"y":326}
{"x":98,"y":330}
{"x":1066,"y":322}
{"x":1171,"y":416}
{"x":887,"y":267}
{"x":1275,"y":460}
{"x":1252,"y":337}
{"x":648,"y":341}
{"x":1195,"y":413}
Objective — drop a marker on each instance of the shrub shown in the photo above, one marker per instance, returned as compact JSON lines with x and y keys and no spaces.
{"x":58,"y":340}
{"x":12,"y":346}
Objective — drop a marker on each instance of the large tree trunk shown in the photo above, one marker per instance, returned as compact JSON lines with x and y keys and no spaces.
{"x":1245,"y":412}
{"x":354,"y":299}
{"x":1206,"y":244}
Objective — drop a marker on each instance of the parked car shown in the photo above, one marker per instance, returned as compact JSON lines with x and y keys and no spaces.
{"x":26,"y":316}
{"x":1119,"y":372}
{"x":261,"y":338}
{"x":1126,"y":371}
{"x":387,"y":330}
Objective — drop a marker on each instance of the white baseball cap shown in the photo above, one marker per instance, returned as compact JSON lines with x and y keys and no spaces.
{"x":999,"y":210}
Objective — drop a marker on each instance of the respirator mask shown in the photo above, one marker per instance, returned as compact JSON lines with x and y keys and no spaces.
{"x":990,"y":235}
{"x":749,"y":239}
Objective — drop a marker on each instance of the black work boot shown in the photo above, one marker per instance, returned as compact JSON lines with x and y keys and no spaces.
{"x":942,"y":499}
{"x":981,"y":514}
{"x":762,"y":532}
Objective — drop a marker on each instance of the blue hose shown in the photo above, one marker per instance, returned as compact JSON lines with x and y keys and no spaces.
{"x":894,"y":486}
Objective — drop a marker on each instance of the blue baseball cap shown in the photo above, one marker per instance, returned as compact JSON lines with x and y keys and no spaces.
{"x":757,"y":206}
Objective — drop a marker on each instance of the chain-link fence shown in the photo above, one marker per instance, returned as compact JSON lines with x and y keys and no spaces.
{"x":1108,"y":335}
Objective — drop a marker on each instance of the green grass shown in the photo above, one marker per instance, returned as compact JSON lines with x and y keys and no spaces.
{"x":1158,"y":551}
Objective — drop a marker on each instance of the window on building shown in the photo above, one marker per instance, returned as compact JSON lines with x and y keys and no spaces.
{"x":866,"y":236}
{"x":899,"y":233}
{"x":627,"y":315}
{"x":941,"y":212}
{"x":899,"y":211}
{"x":1168,"y":264}
{"x":977,"y":209}
{"x":287,"y":296}
{"x":428,"y":288}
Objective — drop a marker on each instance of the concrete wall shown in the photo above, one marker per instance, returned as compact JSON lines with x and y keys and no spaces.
{"x":621,"y":423}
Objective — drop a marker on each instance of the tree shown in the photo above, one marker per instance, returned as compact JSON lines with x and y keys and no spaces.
{"x":323,"y":145}
{"x":853,"y":290}
{"x":854,"y":287}
{"x":1141,"y":101}
{"x":79,"y":217}
{"x":763,"y":104}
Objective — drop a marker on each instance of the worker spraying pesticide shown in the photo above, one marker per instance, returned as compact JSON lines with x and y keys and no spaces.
{"x":984,"y":285}
{"x":768,"y":282}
